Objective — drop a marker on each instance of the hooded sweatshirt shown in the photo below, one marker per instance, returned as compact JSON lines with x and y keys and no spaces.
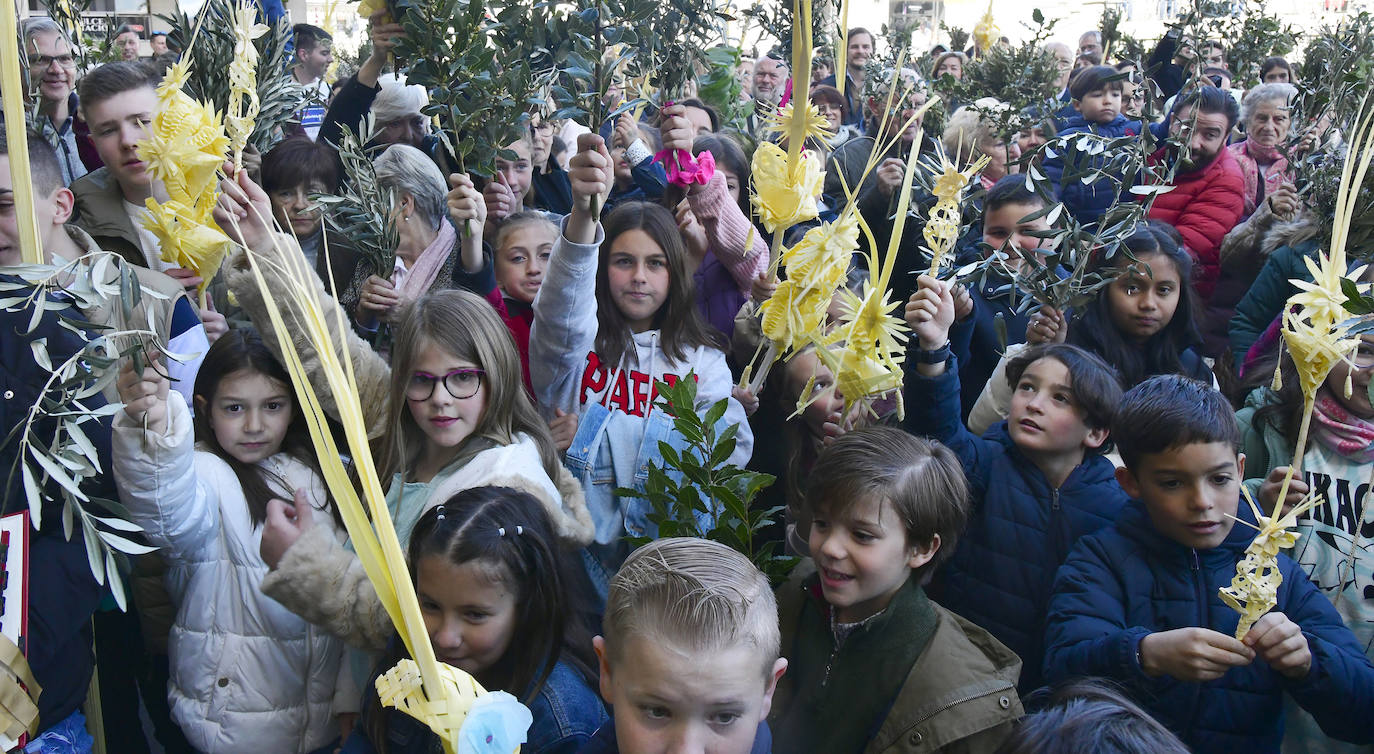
{"x":614,"y":400}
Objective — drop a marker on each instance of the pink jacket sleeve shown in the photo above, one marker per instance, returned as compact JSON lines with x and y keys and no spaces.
{"x":728,"y":230}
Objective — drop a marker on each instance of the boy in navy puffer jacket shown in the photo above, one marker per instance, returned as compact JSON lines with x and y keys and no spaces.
{"x":1139,"y":603}
{"x":1037,"y":482}
{"x":1097,"y":101}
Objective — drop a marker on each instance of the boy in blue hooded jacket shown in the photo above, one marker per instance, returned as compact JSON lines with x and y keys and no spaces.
{"x":1138,"y":603}
{"x":1037,"y":482}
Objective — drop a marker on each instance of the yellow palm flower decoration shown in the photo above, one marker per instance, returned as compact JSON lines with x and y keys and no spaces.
{"x":869,"y":365}
{"x":985,"y":32}
{"x":824,"y":252}
{"x":793,"y":314}
{"x":785,"y":191}
{"x":786,"y":184}
{"x":942,"y":226}
{"x":242,"y":111}
{"x":185,"y":148}
{"x":1317,"y":339}
{"x":188,"y":235}
{"x":1312,"y":323}
{"x":809,"y":122}
{"x":186,"y":145}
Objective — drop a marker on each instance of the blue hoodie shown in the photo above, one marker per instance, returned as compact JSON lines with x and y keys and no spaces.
{"x":1087,"y":203}
{"x":1129,"y":581}
{"x":1021,"y":529}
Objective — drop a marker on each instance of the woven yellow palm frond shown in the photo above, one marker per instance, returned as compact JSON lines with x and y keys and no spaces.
{"x":1317,"y":339}
{"x":1254,"y":589}
{"x":242,"y":111}
{"x":438,"y":695}
{"x":1315,"y":350}
{"x":942,"y":225}
{"x":186,"y":241}
{"x":477,"y":720}
{"x":868,"y":322}
{"x":785,"y":193}
{"x":794,"y":315}
{"x":185,"y":148}
{"x":866,"y":349}
{"x":369,"y":8}
{"x":806,"y":120}
{"x":824,"y":252}
{"x":985,"y":32}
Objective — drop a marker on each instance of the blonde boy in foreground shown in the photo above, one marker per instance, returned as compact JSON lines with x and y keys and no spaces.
{"x":689,"y":660}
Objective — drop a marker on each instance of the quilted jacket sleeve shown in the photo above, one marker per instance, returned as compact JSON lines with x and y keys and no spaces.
{"x":565,"y":322}
{"x":1086,"y":631}
{"x":1206,"y":219}
{"x":157,"y":482}
{"x":932,"y":410}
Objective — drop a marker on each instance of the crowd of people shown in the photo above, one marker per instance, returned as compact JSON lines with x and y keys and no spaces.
{"x":1025,"y":558}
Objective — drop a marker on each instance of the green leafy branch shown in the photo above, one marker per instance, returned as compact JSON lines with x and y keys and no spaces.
{"x":55,"y":454}
{"x":481,"y":77}
{"x":721,"y":90}
{"x":1247,"y":33}
{"x":1126,"y":164}
{"x":775,"y":20}
{"x":362,"y":211}
{"x":698,"y":483}
{"x":1331,"y":82}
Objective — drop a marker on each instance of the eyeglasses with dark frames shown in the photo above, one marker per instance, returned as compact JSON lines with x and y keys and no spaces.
{"x":460,"y":383}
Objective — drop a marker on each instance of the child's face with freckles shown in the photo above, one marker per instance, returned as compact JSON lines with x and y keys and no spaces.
{"x":1190,"y":491}
{"x":667,"y":699}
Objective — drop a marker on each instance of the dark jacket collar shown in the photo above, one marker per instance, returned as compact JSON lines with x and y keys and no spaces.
{"x":1134,"y":523}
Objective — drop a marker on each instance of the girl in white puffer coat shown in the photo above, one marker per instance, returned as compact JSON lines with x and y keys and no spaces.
{"x":246,"y":673}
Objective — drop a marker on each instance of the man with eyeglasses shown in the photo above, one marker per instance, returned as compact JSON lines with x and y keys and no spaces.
{"x":52,"y":76}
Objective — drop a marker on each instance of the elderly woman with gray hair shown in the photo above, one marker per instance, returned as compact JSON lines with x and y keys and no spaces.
{"x":1267,"y":118}
{"x":1270,"y":201}
{"x":431,"y":251}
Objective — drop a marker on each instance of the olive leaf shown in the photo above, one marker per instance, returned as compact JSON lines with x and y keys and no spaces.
{"x":362,"y":210}
{"x":1248,"y":34}
{"x":55,"y":456}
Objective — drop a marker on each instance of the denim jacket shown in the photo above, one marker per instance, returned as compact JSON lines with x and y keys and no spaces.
{"x":611,"y":450}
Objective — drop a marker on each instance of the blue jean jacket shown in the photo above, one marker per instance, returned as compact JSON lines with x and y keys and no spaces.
{"x":612,"y":449}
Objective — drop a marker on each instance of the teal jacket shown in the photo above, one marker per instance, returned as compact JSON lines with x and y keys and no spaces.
{"x":1285,"y":247}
